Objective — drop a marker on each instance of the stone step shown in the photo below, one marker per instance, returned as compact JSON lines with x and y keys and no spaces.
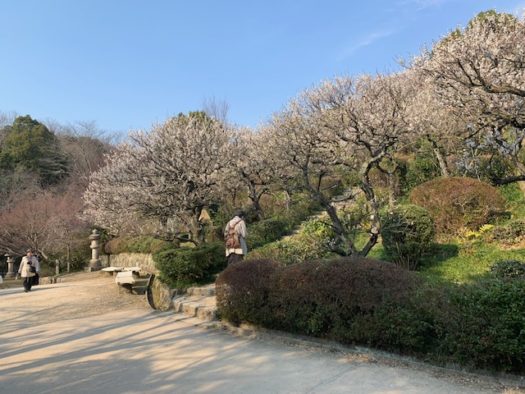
{"x":202,"y":312}
{"x":204,"y":291}
{"x":196,"y":306}
{"x":194,"y":300}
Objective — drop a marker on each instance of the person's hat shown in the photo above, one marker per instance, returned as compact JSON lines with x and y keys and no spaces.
{"x":29,"y":250}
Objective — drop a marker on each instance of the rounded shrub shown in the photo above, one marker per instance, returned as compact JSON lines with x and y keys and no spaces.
{"x":182,"y":267}
{"x":456,"y":203}
{"x":421,"y":169}
{"x":407,"y":233}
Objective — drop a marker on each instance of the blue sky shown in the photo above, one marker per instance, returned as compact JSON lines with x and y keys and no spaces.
{"x":127,"y":64}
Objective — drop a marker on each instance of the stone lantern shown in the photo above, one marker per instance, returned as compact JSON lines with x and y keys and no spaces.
{"x":94,"y":263}
{"x":10,"y":266}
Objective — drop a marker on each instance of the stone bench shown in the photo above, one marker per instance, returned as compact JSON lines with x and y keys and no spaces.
{"x":130,"y":280}
{"x":112,"y":270}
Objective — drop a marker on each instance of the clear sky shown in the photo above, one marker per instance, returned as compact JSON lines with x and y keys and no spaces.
{"x":127,"y":64}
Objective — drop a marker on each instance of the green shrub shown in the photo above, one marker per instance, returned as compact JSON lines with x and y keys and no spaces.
{"x":485,"y":325}
{"x":182,"y":267}
{"x":509,"y":269}
{"x":410,"y":327}
{"x":423,"y":168}
{"x":136,"y":245}
{"x":311,"y":242}
{"x":266,"y":231}
{"x":456,"y":203}
{"x":407,"y":233}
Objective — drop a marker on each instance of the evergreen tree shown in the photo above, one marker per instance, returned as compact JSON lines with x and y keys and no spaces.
{"x":30,"y":146}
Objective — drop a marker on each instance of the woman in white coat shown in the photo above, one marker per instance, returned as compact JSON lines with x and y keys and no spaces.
{"x":29,"y":268}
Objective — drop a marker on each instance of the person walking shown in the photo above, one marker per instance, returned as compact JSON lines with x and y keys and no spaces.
{"x":29,"y":269}
{"x":235,"y":238}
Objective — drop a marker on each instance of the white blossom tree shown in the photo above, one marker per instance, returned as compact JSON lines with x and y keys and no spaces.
{"x":167,"y":175}
{"x":442,"y":128}
{"x":479,"y":73}
{"x":253,"y":167}
{"x":345,"y":125}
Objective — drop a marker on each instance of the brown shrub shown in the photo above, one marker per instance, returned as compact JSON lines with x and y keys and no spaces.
{"x":322,"y":297}
{"x":317,"y":297}
{"x":242,"y":291}
{"x":456,"y":202}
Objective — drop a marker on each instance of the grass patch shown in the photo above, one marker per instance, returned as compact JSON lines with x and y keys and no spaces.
{"x":515,"y":199}
{"x":464,"y":263}
{"x":458,"y":262}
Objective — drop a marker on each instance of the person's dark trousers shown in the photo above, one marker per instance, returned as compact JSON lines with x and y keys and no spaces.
{"x":234,"y":258}
{"x":27,"y":283}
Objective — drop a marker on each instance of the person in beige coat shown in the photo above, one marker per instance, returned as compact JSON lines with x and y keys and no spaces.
{"x":29,"y":268}
{"x":235,"y":238}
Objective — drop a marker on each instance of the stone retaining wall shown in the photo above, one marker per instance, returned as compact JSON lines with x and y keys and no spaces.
{"x":142,"y":260}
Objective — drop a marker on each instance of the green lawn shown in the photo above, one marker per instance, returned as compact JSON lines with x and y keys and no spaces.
{"x":470,"y":262}
{"x":459,"y":262}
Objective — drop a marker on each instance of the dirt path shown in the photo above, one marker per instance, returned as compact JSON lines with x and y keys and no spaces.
{"x":84,"y":337}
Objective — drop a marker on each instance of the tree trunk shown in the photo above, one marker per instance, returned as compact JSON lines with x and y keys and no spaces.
{"x":374,"y":218}
{"x":197,"y":232}
{"x":440,"y":158}
{"x":343,"y":245}
{"x":256,"y":198}
{"x":368,"y":190}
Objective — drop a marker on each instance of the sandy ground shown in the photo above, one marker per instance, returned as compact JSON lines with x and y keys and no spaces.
{"x":84,"y":336}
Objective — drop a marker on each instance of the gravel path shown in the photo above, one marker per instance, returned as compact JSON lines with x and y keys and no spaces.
{"x":82,"y":295}
{"x":83,"y":336}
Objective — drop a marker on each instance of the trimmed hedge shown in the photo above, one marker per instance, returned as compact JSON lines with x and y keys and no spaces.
{"x":183,"y":267}
{"x":317,"y":298}
{"x":456,"y":203}
{"x":407,"y":232}
{"x":379,"y":304}
{"x":485,"y":325}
